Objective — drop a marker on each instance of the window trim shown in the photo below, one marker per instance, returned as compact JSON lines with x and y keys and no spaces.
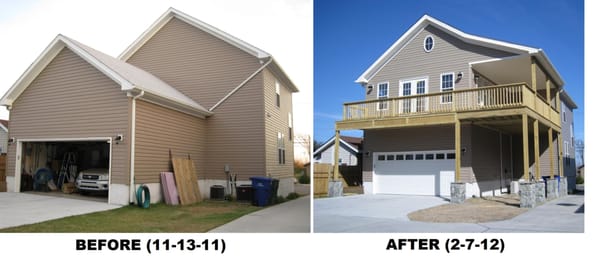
{"x":277,"y":94}
{"x":281,"y":148}
{"x":387,"y":96}
{"x":413,"y":92}
{"x":425,"y":43}
{"x":442,"y":88}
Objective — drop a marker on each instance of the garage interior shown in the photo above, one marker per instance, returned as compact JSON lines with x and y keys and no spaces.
{"x":51,"y":168}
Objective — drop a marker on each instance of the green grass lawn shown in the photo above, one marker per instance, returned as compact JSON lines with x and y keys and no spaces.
{"x":200,"y":217}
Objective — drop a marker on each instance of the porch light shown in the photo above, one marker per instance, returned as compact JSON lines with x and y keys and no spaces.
{"x":459,"y":75}
{"x":11,"y":140}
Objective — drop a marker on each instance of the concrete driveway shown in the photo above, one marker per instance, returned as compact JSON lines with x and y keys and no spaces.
{"x":388,"y":214}
{"x":288,"y":217}
{"x":19,"y":209}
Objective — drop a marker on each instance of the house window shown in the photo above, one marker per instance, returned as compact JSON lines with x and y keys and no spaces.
{"x":429,"y":157}
{"x":447,"y":85}
{"x":382,"y":93}
{"x":428,"y":44}
{"x":399,"y":157}
{"x":440,"y":156}
{"x":566,"y":150}
{"x":450,"y":156}
{"x":564,"y":116}
{"x":390,"y":157}
{"x":281,"y":148}
{"x":381,"y":157}
{"x":290,"y":131}
{"x":406,"y":87}
{"x":419,"y":157}
{"x":409,"y":157}
{"x":572,"y":136}
{"x":277,"y":94}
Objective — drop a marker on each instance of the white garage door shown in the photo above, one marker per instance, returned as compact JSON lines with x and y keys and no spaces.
{"x":413,"y":173}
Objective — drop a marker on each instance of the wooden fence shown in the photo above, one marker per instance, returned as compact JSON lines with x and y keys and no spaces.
{"x":321,"y":176}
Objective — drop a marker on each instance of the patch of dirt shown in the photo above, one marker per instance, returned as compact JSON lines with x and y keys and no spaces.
{"x":353,"y":190}
{"x":473,"y":210}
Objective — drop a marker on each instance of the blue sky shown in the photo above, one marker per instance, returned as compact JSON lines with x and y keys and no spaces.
{"x":351,"y":35}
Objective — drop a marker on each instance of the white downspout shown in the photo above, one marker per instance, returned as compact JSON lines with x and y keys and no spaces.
{"x":132,"y":158}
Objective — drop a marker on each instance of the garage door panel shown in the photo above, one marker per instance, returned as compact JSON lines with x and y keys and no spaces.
{"x":396,"y":175}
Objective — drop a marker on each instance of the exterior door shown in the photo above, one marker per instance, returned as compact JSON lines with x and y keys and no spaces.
{"x":413,"y":87}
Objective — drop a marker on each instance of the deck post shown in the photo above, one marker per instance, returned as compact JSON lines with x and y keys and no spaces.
{"x":548,"y":91}
{"x":457,"y":151}
{"x":536,"y":148}
{"x":551,"y":146}
{"x":525,"y":147}
{"x":336,"y":156}
{"x":533,"y":75}
{"x":560,"y":155}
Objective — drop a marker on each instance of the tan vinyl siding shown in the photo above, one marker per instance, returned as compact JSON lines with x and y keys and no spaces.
{"x":196,"y":63}
{"x":236,"y":134}
{"x":159,"y":129}
{"x":448,"y":55}
{"x":415,"y":139}
{"x":3,"y":141}
{"x":486,"y":158}
{"x":277,"y":121}
{"x":72,"y":99}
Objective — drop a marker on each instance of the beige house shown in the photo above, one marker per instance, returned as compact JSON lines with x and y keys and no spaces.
{"x":183,"y":86}
{"x":445,"y":107}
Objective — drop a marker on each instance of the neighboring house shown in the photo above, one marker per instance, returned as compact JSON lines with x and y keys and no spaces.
{"x":3,"y":136}
{"x":568,"y":131}
{"x":350,"y":149}
{"x":444,"y":106}
{"x":581,"y":171}
{"x":183,"y":88}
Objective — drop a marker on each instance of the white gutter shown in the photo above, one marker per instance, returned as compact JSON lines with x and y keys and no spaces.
{"x":132,"y":158}
{"x":240,"y":86}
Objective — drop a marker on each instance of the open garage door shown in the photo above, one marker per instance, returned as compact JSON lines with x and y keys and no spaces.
{"x":65,"y":168}
{"x":413,"y":173}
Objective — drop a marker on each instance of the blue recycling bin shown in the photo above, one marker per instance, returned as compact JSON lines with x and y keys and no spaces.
{"x":262,"y":190}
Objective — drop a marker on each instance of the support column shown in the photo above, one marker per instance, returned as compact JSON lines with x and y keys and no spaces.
{"x":336,"y":156}
{"x":536,"y":148}
{"x":457,"y":151}
{"x":551,"y":146}
{"x":548,"y":91}
{"x":525,"y":147}
{"x":533,"y":75}
{"x":560,"y":155}
{"x":335,"y":187}
{"x":457,"y":188}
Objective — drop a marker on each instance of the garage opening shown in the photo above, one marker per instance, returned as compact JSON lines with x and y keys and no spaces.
{"x":74,"y":169}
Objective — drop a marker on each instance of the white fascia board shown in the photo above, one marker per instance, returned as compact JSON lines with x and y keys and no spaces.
{"x":171,"y":13}
{"x":174,"y":104}
{"x":124,"y":83}
{"x":424,"y":22}
{"x":549,"y":67}
{"x":32,"y":72}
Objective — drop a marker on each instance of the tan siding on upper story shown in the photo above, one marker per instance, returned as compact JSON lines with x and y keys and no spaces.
{"x":236,"y":134}
{"x":72,"y":99}
{"x":196,"y":63}
{"x":277,"y":121}
{"x":448,"y":55}
{"x":159,"y":129}
{"x":415,"y":139}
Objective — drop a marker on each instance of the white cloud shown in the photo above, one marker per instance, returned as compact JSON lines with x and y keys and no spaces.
{"x":281,"y":28}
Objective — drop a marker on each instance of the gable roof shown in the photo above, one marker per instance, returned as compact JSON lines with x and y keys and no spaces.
{"x":129,"y":77}
{"x":564,"y":97}
{"x":348,"y":141}
{"x":236,"y":42}
{"x":426,"y":20}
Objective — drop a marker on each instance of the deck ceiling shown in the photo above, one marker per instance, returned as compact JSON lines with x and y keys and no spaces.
{"x":506,"y":124}
{"x":511,"y":70}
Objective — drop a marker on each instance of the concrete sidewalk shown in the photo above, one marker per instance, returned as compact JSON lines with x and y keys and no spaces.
{"x":288,"y":217}
{"x":19,"y":209}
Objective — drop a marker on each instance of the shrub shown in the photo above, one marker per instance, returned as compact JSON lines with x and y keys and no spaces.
{"x":292,"y":196}
{"x":280,"y":199}
{"x":579,"y":180}
{"x":304,"y":179}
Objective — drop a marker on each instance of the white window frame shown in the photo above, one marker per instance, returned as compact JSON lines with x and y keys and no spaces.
{"x":290,"y":126}
{"x":425,"y":43}
{"x":380,"y":105}
{"x":413,"y":91}
{"x":442,"y":88}
{"x":564,"y":115}
{"x":277,"y":94}
{"x":566,"y":149}
{"x":280,"y":148}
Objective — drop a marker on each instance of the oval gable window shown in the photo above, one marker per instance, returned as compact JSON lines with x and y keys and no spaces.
{"x":428,"y":43}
